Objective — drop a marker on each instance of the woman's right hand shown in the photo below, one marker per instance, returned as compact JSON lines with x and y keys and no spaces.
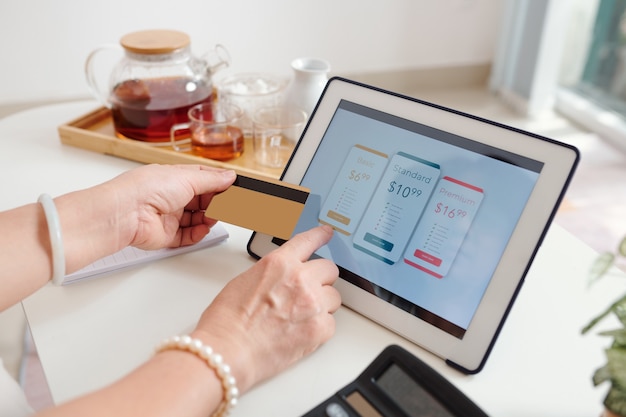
{"x":275,"y":313}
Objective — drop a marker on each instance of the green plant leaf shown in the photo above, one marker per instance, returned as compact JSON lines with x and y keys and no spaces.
{"x":600,"y":266}
{"x":618,"y":335}
{"x":620,"y":312}
{"x":616,"y":361}
{"x":615,"y":401}
{"x":614,"y":370}
{"x":621,"y":248}
{"x":601,"y":375}
{"x":605,"y":313}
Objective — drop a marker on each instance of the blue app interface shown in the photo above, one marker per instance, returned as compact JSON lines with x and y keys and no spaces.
{"x":421,"y":216}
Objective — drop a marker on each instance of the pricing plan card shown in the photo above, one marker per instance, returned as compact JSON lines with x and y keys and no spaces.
{"x":443,"y":227}
{"x":353,"y":187}
{"x":396,"y":207}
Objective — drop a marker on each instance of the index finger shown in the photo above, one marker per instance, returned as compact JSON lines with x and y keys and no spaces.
{"x":304,"y":244}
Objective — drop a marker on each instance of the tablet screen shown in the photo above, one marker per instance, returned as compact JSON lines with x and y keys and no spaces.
{"x":437,"y":214}
{"x":422,"y":216}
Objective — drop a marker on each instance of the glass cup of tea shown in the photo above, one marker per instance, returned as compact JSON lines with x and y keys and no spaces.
{"x":214,"y":130}
{"x":276,"y":132}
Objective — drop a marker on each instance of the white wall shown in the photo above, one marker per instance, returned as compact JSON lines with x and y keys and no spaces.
{"x":43,"y":43}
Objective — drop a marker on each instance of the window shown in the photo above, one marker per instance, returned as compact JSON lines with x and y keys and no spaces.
{"x":603,"y":79}
{"x":593,"y":72}
{"x":576,"y":48}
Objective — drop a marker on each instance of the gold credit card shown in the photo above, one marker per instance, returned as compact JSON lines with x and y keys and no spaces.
{"x":261,"y":204}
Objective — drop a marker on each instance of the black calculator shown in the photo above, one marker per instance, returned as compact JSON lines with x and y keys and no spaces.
{"x":398,"y":384}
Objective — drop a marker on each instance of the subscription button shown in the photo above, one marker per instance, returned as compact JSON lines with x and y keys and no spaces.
{"x":338,"y":217}
{"x":427,"y":257}
{"x":378,"y":242}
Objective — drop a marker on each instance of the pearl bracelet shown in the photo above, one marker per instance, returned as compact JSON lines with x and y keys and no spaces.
{"x":56,"y":240}
{"x":215,"y":362}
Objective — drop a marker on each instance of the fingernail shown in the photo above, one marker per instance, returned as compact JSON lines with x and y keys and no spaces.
{"x":229,"y":174}
{"x":328,"y":228}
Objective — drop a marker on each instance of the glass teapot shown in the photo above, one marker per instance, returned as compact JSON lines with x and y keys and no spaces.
{"x":156,"y":82}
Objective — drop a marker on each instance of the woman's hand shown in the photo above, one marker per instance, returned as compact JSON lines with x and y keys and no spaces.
{"x":150,"y":207}
{"x":275,"y":313}
{"x":164,"y":204}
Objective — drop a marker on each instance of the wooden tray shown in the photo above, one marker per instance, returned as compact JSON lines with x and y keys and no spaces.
{"x":94,"y":131}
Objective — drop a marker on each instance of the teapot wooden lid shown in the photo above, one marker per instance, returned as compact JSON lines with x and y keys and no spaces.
{"x":158,"y":41}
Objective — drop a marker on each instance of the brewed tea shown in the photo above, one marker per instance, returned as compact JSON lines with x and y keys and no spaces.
{"x":146,"y":109}
{"x":220,"y":144}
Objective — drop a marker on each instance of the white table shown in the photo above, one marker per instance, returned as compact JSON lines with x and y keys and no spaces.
{"x":91,"y":333}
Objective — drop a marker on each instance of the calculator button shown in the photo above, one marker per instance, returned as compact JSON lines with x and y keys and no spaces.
{"x":336,"y":410}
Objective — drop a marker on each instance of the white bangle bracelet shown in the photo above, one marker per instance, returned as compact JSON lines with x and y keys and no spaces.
{"x":56,"y":240}
{"x":215,"y":362}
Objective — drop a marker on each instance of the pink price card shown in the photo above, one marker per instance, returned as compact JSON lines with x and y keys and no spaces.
{"x":443,"y":227}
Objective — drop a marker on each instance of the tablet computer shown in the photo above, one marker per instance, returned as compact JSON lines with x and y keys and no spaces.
{"x":437,"y":214}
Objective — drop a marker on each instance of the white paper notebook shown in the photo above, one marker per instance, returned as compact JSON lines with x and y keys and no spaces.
{"x":131,"y":256}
